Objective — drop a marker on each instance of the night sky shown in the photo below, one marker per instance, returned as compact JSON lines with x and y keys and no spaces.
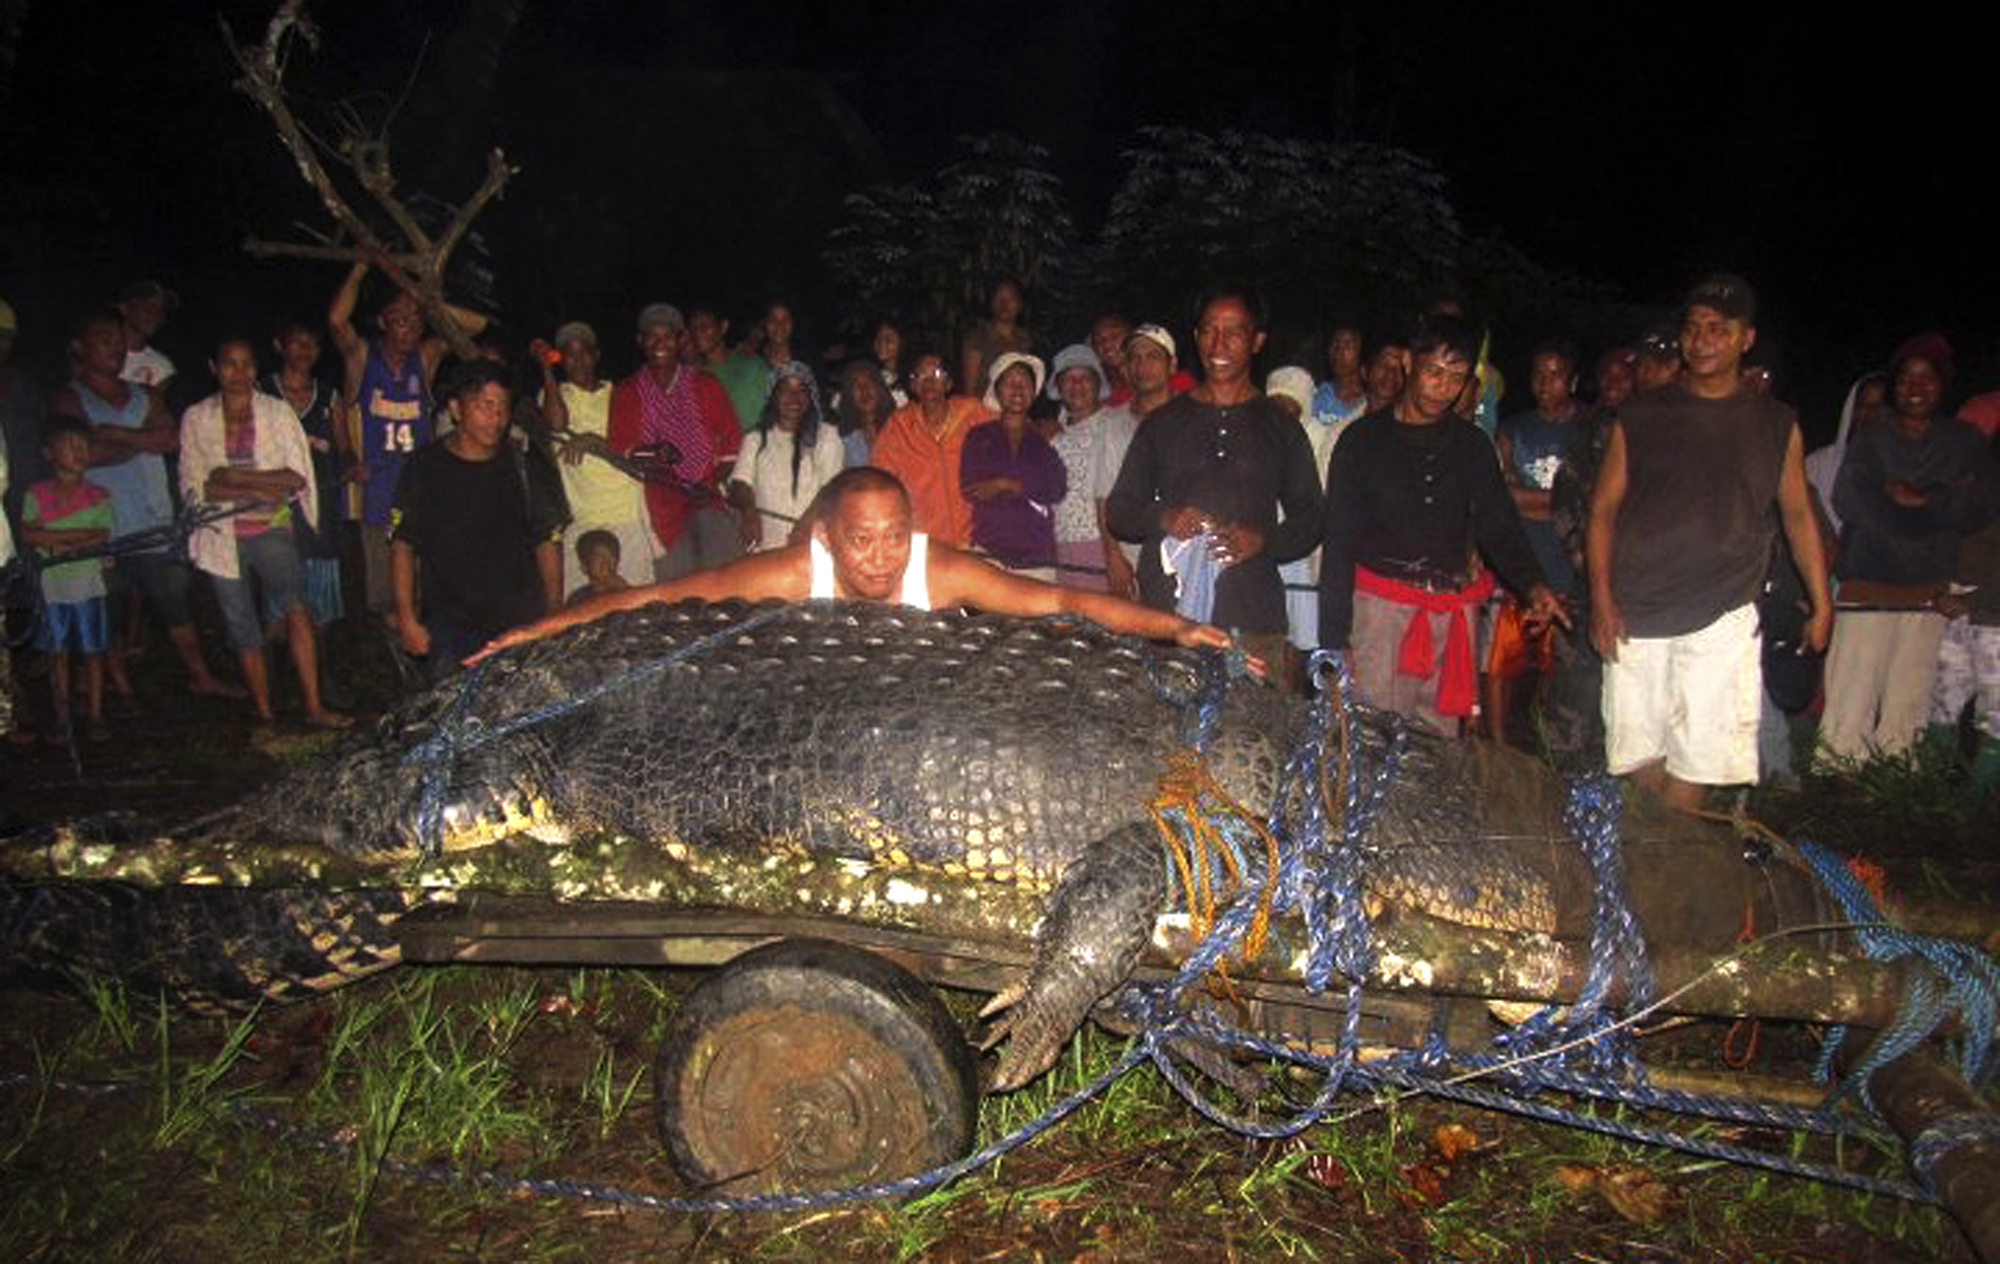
{"x":699,"y":153}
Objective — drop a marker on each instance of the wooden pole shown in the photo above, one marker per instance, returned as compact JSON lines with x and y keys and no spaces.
{"x":1914,"y":1093}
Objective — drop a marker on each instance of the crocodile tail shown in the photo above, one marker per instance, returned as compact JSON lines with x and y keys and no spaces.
{"x":204,"y":947}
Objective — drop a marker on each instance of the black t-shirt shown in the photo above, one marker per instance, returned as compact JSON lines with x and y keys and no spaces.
{"x":475,"y":531}
{"x":1694,"y":531}
{"x":1412,"y":502}
{"x":1239,"y":464}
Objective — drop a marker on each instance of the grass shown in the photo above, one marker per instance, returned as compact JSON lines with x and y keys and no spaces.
{"x":190,"y":1090}
{"x":429,"y":1065}
{"x":1913,"y":802}
{"x":544,"y":1071}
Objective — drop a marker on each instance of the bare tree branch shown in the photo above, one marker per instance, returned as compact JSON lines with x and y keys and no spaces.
{"x":263,"y":83}
{"x":369,"y":160}
{"x":498,"y":172}
{"x":416,"y":263}
{"x":263,"y":249}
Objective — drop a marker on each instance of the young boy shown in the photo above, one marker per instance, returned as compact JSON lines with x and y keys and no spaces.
{"x":597,"y":552}
{"x":58,"y":514}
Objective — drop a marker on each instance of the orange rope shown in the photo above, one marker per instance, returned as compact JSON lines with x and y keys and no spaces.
{"x":1734,"y":1059}
{"x":1188,"y":791}
{"x":1873,"y":876}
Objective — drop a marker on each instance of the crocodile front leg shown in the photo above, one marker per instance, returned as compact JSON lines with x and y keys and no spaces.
{"x":1098,"y":922}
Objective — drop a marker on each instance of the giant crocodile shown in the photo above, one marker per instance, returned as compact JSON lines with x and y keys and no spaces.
{"x":646,"y":755}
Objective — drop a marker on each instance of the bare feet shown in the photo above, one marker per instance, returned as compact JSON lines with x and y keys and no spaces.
{"x":210,"y":687}
{"x":324,"y":719}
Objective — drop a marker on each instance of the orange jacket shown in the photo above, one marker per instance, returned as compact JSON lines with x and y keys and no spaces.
{"x":928,"y":466}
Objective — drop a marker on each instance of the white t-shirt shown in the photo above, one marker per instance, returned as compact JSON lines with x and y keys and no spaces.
{"x":765,"y":466}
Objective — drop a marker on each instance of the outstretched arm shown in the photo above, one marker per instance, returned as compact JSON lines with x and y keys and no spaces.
{"x":353,"y":360}
{"x":959,"y":579}
{"x":781,"y":574}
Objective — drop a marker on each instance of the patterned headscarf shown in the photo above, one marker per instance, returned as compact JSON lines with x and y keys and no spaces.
{"x":794,"y":370}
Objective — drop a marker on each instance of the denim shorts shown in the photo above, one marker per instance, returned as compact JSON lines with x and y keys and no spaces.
{"x":80,"y":627}
{"x":269,"y":559}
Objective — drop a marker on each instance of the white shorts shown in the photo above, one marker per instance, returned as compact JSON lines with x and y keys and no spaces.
{"x":1690,"y":700}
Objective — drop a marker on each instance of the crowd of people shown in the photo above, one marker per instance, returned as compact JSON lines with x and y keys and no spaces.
{"x":1648,"y":557}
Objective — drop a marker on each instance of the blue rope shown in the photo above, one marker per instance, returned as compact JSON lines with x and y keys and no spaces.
{"x":1320,"y":875}
{"x":1617,"y":949}
{"x":902,"y":1187}
{"x":1961,"y":980}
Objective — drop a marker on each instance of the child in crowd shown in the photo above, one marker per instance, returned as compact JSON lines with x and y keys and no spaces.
{"x":597,"y":553}
{"x":58,"y":514}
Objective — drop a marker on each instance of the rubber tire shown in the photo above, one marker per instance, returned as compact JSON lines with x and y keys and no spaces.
{"x":807,"y":1065}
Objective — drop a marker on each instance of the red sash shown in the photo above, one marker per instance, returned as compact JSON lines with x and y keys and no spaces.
{"x":1458,"y":680}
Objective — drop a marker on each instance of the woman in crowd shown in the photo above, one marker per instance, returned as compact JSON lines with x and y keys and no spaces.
{"x":1865,"y":400}
{"x":1911,"y":483}
{"x":1001,"y":333}
{"x":787,"y":459}
{"x":921,"y":445}
{"x":862,"y":410}
{"x":245,"y":449}
{"x":885,"y":343}
{"x":1091,"y":438}
{"x":1012,"y":476}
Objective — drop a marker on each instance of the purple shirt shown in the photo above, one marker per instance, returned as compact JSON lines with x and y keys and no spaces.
{"x":1019,"y":531}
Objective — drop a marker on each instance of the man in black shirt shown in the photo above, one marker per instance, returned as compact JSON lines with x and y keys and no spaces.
{"x":1213,"y":467}
{"x":464,"y":518}
{"x":1414,"y":496}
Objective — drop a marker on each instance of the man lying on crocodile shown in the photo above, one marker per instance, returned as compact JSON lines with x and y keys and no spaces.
{"x":863,"y":548}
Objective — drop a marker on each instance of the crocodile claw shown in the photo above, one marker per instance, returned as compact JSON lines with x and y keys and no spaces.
{"x":1098,"y":922}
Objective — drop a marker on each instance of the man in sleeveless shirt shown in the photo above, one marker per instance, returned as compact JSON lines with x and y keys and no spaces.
{"x":388,"y":384}
{"x":862,"y":548}
{"x":1678,"y":544}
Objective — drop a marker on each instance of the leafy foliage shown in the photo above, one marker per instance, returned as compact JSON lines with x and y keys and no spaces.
{"x":1317,"y":226}
{"x":924,"y":254}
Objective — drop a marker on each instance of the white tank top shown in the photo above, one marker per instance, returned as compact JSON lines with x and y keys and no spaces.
{"x":916,"y":577}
